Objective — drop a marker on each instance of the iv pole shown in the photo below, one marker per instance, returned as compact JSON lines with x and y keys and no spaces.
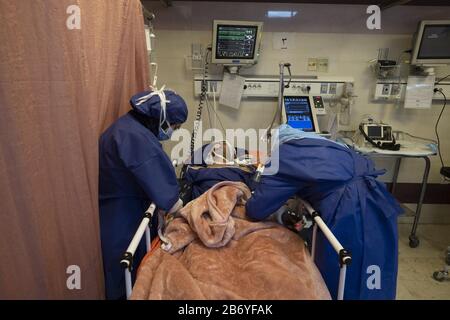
{"x":282,"y":86}
{"x":282,"y":65}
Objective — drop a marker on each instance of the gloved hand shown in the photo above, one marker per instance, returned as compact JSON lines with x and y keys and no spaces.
{"x":185,"y":190}
{"x":166,"y":217}
{"x":163,"y":221}
{"x":288,"y":218}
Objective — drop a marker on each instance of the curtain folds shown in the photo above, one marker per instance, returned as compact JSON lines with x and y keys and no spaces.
{"x":59,"y":89}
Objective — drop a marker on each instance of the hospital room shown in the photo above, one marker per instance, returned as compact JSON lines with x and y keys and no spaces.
{"x":225,"y":155}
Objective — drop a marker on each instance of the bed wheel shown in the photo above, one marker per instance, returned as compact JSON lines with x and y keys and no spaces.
{"x":413,"y":241}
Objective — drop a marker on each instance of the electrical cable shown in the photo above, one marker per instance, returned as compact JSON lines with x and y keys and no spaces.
{"x":220,"y":121}
{"x":203,"y":96}
{"x":437,"y":124}
{"x":419,"y":138}
{"x":208,"y":106}
{"x":442,"y":79}
{"x":288,"y":66}
{"x":209,"y":112}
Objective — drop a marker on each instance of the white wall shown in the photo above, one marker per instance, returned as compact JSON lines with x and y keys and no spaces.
{"x":335,"y":32}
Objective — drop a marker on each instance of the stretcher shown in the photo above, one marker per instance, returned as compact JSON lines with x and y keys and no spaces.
{"x":343,"y":255}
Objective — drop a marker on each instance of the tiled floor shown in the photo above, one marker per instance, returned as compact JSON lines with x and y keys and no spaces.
{"x":416,"y":266}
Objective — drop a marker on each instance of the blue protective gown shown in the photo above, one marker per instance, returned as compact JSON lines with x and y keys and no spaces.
{"x":341,"y":185}
{"x":133,"y":172}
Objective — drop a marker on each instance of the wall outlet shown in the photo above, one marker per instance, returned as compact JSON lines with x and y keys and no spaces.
{"x":333,"y":88}
{"x":395,"y":90}
{"x":322,"y":64}
{"x":312,"y":64}
{"x":197,"y":52}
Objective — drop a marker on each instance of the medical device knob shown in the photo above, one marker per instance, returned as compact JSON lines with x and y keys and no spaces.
{"x":127,"y":260}
{"x":345,"y":257}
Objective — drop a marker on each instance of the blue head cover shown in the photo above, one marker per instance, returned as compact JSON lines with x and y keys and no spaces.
{"x":176,"y":108}
{"x":287,"y":133}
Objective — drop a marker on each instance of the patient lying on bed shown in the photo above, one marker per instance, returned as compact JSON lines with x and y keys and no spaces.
{"x":216,"y":162}
{"x":215,"y":252}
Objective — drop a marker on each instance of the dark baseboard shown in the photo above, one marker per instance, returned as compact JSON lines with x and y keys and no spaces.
{"x":436,"y":193}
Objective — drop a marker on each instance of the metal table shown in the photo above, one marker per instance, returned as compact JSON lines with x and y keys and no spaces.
{"x":404,"y":152}
{"x":413,"y":239}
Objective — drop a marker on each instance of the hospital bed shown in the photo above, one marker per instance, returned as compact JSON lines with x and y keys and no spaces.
{"x":343,"y":255}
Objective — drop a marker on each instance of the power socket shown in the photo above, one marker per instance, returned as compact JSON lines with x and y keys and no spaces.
{"x":333,"y":88}
{"x":197,"y":51}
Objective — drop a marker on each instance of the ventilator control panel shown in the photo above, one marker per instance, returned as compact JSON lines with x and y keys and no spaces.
{"x":318,"y":104}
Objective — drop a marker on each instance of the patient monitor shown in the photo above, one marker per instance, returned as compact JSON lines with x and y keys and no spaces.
{"x":236,"y":43}
{"x":299,"y":112}
{"x":432,"y":43}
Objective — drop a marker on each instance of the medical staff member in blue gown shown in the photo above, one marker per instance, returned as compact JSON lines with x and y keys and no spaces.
{"x":134,"y":172}
{"x":341,"y":185}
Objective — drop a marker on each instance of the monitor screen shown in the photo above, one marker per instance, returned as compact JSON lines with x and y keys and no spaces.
{"x":374,"y":132}
{"x":435,"y":42}
{"x":299,"y":114}
{"x":236,"y":41}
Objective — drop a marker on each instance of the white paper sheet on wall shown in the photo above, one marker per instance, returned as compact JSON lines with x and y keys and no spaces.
{"x":232,"y":90}
{"x":419,"y":92}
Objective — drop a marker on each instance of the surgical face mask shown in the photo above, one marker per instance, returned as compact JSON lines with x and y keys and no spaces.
{"x":165,"y":132}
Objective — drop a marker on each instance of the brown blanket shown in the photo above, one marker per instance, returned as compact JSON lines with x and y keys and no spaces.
{"x":217,"y":253}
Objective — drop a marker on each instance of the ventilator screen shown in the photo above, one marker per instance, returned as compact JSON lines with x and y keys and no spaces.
{"x":299,"y":113}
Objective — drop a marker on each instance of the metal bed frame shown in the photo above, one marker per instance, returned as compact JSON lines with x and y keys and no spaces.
{"x":344,"y":255}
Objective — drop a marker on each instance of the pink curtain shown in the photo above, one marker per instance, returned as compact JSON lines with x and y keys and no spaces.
{"x":59,"y":89}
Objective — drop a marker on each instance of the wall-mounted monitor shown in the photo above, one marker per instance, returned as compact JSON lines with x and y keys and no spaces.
{"x":236,"y":43}
{"x":432,"y":43}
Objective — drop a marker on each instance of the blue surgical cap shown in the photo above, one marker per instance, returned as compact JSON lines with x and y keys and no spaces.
{"x":176,"y":109}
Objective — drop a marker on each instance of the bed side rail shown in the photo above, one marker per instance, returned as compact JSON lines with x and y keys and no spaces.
{"x":127,"y":260}
{"x":345,"y":257}
{"x":144,"y":228}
